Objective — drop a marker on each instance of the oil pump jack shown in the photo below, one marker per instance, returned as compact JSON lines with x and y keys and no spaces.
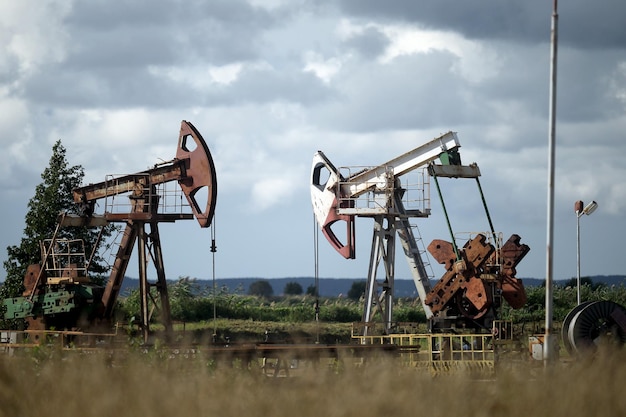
{"x":478,"y":275}
{"x":59,"y":293}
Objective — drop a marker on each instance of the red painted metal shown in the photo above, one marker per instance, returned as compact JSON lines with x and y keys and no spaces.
{"x":199,"y":172}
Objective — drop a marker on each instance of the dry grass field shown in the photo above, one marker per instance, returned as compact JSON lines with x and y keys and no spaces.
{"x":142,"y":384}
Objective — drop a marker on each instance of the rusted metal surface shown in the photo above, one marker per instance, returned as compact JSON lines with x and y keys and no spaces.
{"x":470,"y":284}
{"x":148,"y":217}
{"x":194,"y":170}
{"x":114,"y":284}
{"x":459,"y":273}
{"x":477,"y":251}
{"x":478,"y":294}
{"x":192,"y":167}
{"x":511,"y":253}
{"x":146,"y":194}
{"x":30,"y":279}
{"x":137,"y":184}
{"x":199,"y":173}
{"x":443,"y":252}
{"x":513,"y":292}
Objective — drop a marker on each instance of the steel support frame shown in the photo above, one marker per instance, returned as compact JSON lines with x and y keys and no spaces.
{"x":114,"y":284}
{"x":412,"y":255}
{"x":383,"y":248}
{"x":149,"y":249}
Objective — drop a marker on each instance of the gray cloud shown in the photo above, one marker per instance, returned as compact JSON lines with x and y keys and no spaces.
{"x":268,"y":86}
{"x":405,"y":95}
{"x":370,"y":44}
{"x":582,"y":23}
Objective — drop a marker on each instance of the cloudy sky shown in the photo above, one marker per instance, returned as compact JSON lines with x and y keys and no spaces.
{"x":269,"y":82}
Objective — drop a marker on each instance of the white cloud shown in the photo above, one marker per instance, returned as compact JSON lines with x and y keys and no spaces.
{"x":477,"y":61}
{"x":200,"y":77}
{"x":323,"y":68}
{"x":225,"y":74}
{"x":270,"y":192}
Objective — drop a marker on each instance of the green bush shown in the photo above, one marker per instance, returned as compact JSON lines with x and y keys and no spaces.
{"x":192,"y":306}
{"x":410,"y":314}
{"x":340,"y":313}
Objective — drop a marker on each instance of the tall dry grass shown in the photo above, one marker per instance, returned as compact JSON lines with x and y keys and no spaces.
{"x":149,"y":385}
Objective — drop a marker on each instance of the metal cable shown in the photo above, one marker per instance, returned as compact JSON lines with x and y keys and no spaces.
{"x":213,"y":250}
{"x":316,"y":268}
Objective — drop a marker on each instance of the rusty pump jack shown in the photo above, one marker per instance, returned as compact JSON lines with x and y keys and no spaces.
{"x":53,"y":295}
{"x":478,"y":275}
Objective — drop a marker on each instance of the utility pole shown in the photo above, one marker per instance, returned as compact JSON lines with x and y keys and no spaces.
{"x":548,"y":349}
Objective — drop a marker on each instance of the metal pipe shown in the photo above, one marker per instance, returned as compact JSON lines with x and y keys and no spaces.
{"x":445,"y":213}
{"x":317,"y":280}
{"x":144,"y":288}
{"x":213,"y":250}
{"x":548,"y":349}
{"x":580,"y":210}
{"x":482,"y":197}
{"x":578,"y":257}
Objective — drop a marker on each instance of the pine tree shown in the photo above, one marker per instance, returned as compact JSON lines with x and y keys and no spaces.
{"x":52,"y":196}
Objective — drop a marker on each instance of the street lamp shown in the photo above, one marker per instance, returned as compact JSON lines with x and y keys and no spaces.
{"x":580,"y":210}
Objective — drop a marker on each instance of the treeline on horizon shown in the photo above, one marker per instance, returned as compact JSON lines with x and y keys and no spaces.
{"x":193,"y":302}
{"x":336,"y":287}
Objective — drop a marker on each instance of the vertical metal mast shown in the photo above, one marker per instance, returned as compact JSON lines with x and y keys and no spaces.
{"x":548,"y":349}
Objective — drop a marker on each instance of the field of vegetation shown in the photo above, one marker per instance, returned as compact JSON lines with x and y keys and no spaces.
{"x":146,"y":384}
{"x":154,"y":381}
{"x":291,"y":318}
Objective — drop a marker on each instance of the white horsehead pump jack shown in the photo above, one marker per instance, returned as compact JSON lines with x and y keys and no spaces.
{"x":478,"y":275}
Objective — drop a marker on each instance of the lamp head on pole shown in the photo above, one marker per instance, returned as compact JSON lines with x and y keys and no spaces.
{"x":578,"y":207}
{"x":581,"y":209}
{"x":590,"y":208}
